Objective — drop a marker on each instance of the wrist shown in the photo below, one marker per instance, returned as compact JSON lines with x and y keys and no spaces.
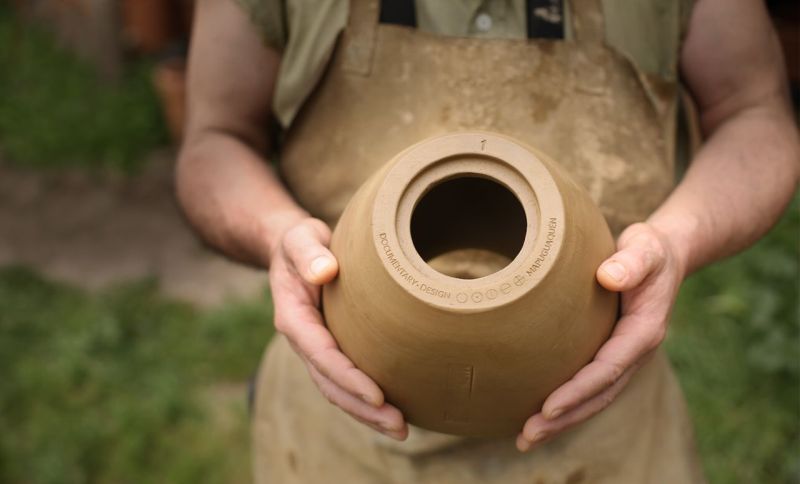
{"x":271,"y":228}
{"x":683,"y":235}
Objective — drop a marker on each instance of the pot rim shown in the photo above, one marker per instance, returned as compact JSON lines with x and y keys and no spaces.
{"x":518,"y":168}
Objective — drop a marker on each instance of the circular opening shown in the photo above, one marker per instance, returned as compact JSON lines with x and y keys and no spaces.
{"x":468,"y":227}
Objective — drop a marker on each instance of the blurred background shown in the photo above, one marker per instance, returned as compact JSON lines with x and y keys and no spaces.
{"x":126,"y":346}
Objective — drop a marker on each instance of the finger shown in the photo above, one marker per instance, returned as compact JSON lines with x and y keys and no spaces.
{"x":334,"y":365}
{"x":627,"y":268}
{"x":305,"y":248}
{"x":386,"y":419}
{"x":315,"y":344}
{"x":399,"y":435}
{"x":539,"y":429}
{"x":632,"y":339}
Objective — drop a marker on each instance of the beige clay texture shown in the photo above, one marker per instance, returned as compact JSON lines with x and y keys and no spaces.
{"x":467,"y":285}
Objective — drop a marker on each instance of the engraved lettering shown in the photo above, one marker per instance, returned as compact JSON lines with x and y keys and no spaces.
{"x":550,"y":239}
{"x":404,"y":274}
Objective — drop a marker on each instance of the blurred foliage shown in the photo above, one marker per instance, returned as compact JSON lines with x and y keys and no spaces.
{"x":115,"y":387}
{"x":735,"y":341}
{"x":55,"y":112}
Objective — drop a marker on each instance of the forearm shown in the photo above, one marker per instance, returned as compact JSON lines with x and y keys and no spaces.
{"x":233,"y":197}
{"x":736,"y":187}
{"x":228,"y":191}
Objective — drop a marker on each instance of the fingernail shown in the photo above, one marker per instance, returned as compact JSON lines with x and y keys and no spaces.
{"x":554,"y":414}
{"x":615,"y":270}
{"x":395,"y":434}
{"x":539,"y":437}
{"x":387,"y":426}
{"x":368,"y":401}
{"x":522,"y":444}
{"x":319,"y":265}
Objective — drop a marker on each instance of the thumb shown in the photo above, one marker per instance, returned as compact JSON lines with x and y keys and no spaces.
{"x":638,"y":256}
{"x":305,"y":247}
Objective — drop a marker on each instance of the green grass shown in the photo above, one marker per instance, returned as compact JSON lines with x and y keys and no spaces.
{"x":114,"y":387}
{"x":735,"y":341}
{"x":55,"y":112}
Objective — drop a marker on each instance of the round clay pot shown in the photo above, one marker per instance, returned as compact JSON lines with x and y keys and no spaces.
{"x":467,"y":285}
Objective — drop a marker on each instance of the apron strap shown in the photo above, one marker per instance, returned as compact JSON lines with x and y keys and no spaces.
{"x":399,"y":12}
{"x":359,"y":36}
{"x":588,"y":25}
{"x":545,"y":19}
{"x":588,"y":21}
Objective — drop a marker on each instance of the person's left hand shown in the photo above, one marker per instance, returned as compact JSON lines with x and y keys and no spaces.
{"x":648,"y":272}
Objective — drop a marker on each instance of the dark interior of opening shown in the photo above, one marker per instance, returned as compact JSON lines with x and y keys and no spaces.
{"x":468,"y":227}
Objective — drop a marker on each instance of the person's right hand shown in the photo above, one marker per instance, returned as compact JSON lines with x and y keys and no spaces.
{"x":300,"y":264}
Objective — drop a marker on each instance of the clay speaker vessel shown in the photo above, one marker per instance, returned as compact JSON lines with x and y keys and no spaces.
{"x":467,"y":285}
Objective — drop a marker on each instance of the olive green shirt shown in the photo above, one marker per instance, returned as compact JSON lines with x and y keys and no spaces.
{"x":305,"y":32}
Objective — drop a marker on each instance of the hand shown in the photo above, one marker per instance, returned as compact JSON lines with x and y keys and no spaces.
{"x":648,"y":272}
{"x":300,"y":264}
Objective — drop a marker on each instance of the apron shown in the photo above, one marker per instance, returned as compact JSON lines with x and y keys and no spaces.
{"x":581,"y":102}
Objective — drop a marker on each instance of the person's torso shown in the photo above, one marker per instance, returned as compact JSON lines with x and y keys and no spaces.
{"x":579,"y":100}
{"x":608,"y":120}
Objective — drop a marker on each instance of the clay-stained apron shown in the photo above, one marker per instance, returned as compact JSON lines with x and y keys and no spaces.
{"x":579,"y":101}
